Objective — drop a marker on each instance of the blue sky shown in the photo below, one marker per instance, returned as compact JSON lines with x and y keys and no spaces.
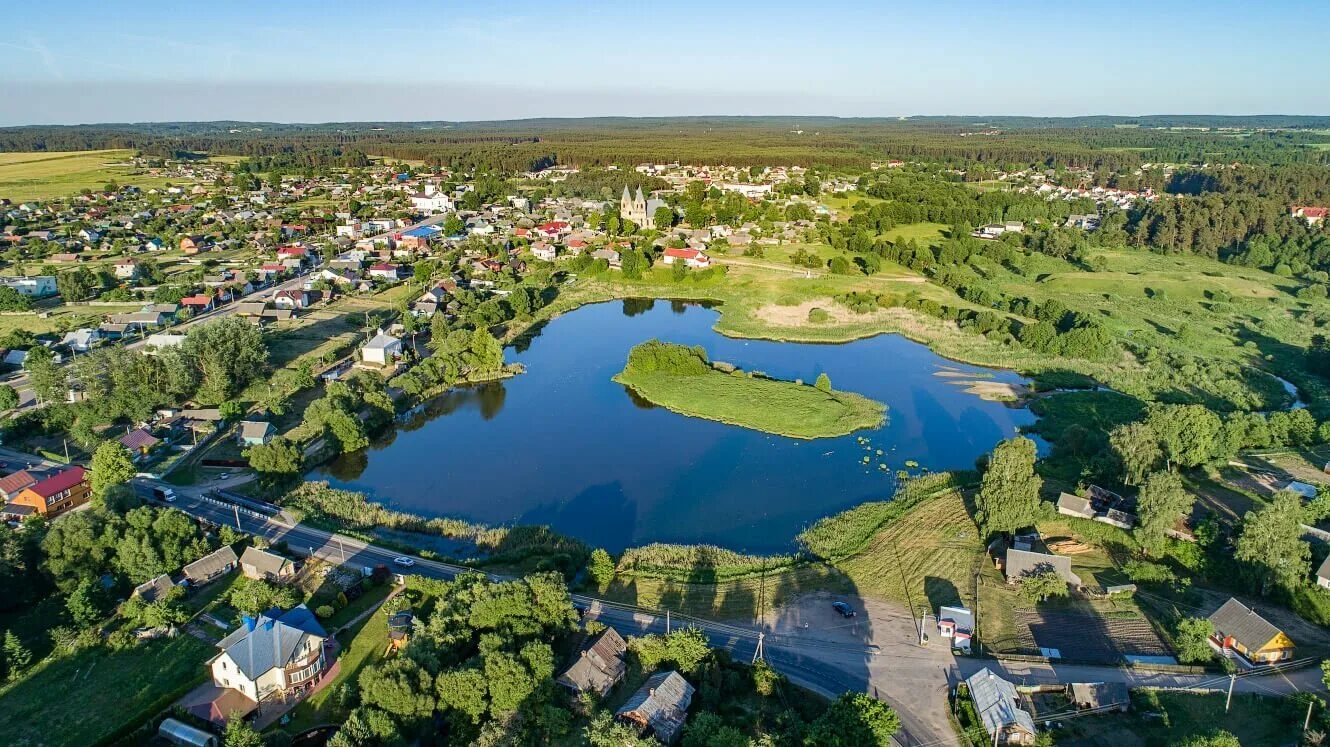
{"x":71,"y":62}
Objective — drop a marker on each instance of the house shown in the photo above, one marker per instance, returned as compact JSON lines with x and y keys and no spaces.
{"x":291,"y":299}
{"x":1018,"y":563}
{"x":382,"y":350}
{"x":956,"y":624}
{"x":599,"y":666}
{"x":139,"y":441}
{"x":198,"y":304}
{"x":164,"y":340}
{"x":193,"y":244}
{"x":81,"y":340}
{"x":251,"y":308}
{"x":260,"y":564}
{"x":1323,"y":574}
{"x":55,"y":493}
{"x":385,"y":271}
{"x":1312,"y":215}
{"x":1074,"y":505}
{"x":541,"y":250}
{"x":693,"y":258}
{"x":33,"y":286}
{"x":126,"y":269}
{"x":212,"y":566}
{"x":659,"y":707}
{"x":275,"y":656}
{"x":151,"y":591}
{"x":431,"y":200}
{"x":254,"y":432}
{"x":428,"y":303}
{"x":553,"y":229}
{"x":998,"y":705}
{"x":12,"y":485}
{"x":1239,"y":628}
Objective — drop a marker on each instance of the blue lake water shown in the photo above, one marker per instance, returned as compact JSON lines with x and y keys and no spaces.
{"x":564,"y":445}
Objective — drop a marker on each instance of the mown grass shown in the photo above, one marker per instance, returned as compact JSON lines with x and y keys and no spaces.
{"x":90,"y":695}
{"x":784,"y":408}
{"x":1161,"y":717}
{"x":849,"y":532}
{"x":741,"y":599}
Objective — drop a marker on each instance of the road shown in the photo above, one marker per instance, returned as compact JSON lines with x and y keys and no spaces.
{"x":27,"y":399}
{"x":876,"y":653}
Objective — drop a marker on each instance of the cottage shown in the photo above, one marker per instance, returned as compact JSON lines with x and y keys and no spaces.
{"x":260,"y":564}
{"x":81,"y":340}
{"x":56,"y":493}
{"x":127,"y":269}
{"x":13,"y":484}
{"x":1312,"y":215}
{"x":690,"y":257}
{"x":291,"y":299}
{"x":33,"y":286}
{"x":276,"y":656}
{"x":212,"y":566}
{"x":1074,"y":505}
{"x":254,"y":432}
{"x":1238,"y":628}
{"x":198,"y":304}
{"x":139,"y":441}
{"x":599,"y":666}
{"x":385,"y":271}
{"x":541,"y":250}
{"x":659,"y":707}
{"x":193,"y":244}
{"x":382,"y":349}
{"x":1018,"y":563}
{"x":999,"y":708}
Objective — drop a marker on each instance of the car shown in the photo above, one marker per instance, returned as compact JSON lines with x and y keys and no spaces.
{"x":169,"y":498}
{"x":224,"y":476}
{"x":843,"y":609}
{"x":403,"y":561}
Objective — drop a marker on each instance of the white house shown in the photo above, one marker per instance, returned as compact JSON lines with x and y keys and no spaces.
{"x":382,"y":349}
{"x":541,"y":250}
{"x":693,"y":258}
{"x":431,"y":201}
{"x":35,"y":286}
{"x":271,"y":657}
{"x":126,"y":269}
{"x":81,"y":340}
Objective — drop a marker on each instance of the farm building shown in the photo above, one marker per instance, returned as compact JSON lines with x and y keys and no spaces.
{"x":599,"y":666}
{"x":998,"y":706}
{"x":659,"y":707}
{"x":1238,"y":628}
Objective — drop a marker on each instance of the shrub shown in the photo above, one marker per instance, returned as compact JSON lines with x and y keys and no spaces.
{"x":324,"y":611}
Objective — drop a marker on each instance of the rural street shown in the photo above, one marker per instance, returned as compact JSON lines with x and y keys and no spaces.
{"x":876,"y":653}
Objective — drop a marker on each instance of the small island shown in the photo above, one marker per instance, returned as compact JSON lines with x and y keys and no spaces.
{"x":683,"y":380}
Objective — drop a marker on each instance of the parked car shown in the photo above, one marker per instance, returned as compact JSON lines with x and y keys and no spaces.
{"x":843,"y":609}
{"x":404,"y":561}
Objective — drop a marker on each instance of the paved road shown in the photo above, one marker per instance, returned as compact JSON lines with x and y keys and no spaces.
{"x":819,"y":651}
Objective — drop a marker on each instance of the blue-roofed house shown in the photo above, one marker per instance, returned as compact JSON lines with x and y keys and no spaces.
{"x":275,"y":656}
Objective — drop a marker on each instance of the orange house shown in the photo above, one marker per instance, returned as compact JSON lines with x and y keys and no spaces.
{"x":57,"y":493}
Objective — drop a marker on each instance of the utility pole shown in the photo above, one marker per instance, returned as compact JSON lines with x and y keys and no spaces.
{"x":341,"y":546}
{"x":237,"y":510}
{"x":1308,"y":721}
{"x":667,"y":621}
{"x":1232,"y":678}
{"x":757,"y":652}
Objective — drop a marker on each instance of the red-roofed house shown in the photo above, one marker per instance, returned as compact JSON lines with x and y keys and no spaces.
{"x":291,"y":251}
{"x":198,"y":304}
{"x":139,"y":441}
{"x":57,"y":493}
{"x":690,"y":257}
{"x":12,"y":485}
{"x":553,"y":229}
{"x":385,"y":271}
{"x":576,"y":246}
{"x":1312,"y":215}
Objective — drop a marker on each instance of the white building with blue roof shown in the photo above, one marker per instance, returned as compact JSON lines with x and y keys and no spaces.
{"x":274,"y":656}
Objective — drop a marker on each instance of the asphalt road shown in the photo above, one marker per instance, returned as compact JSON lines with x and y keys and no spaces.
{"x":883,"y":659}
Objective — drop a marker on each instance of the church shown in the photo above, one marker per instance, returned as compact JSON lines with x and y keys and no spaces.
{"x":638,"y":209}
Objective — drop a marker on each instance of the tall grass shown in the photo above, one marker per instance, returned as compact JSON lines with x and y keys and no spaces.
{"x":848,"y":532}
{"x":699,"y":563}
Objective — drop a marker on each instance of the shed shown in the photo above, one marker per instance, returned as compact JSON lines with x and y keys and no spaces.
{"x":255,"y":432}
{"x":660,"y":706}
{"x":260,"y":564}
{"x":599,"y":666}
{"x":1074,"y":505}
{"x":151,"y":591}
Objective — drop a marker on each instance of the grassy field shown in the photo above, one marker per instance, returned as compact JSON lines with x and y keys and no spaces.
{"x":1161,"y":718}
{"x":727,"y":600}
{"x":45,"y":175}
{"x":87,"y":696}
{"x":784,"y":408}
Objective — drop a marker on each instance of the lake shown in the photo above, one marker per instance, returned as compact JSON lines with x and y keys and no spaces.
{"x":564,"y":445}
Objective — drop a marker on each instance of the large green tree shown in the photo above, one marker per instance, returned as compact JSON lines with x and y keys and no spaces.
{"x":1271,"y":542}
{"x":1162,"y":501}
{"x":1137,"y":449}
{"x":49,"y":381}
{"x":1189,"y":434}
{"x":111,"y":466}
{"x":854,"y":720}
{"x":1008,"y":497}
{"x":227,"y":354}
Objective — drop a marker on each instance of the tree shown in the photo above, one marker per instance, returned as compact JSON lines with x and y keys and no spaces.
{"x":1042,"y":583}
{"x":464,"y":691}
{"x":485,"y":353}
{"x":706,"y":729}
{"x":1271,"y":541}
{"x":685,"y":648}
{"x":1191,"y":639}
{"x":278,"y":457}
{"x":1163,"y":499}
{"x":227,"y":354}
{"x":453,"y":225}
{"x":1188,"y":433}
{"x":252,"y":596}
{"x":8,"y":397}
{"x":1137,"y":450}
{"x":1008,"y":497}
{"x":823,"y":382}
{"x":663,"y":218}
{"x":89,"y":603}
{"x":400,"y":687}
{"x":111,"y":465}
{"x":17,"y":657}
{"x":632,"y":264}
{"x":854,"y":720}
{"x":240,"y":734}
{"x":600,"y":567}
{"x":1218,"y":738}
{"x":47,"y":378}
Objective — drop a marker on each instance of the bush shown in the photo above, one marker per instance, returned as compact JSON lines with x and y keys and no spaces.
{"x":818,"y":316}
{"x":324,"y":611}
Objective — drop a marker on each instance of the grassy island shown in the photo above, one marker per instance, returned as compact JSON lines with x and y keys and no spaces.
{"x":683,"y":380}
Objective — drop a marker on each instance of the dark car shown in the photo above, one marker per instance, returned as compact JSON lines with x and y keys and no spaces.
{"x":843,"y":609}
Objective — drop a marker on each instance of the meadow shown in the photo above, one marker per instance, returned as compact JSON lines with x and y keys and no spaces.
{"x":45,"y":175}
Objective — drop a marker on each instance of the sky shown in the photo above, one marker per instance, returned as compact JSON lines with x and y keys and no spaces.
{"x":91,"y":61}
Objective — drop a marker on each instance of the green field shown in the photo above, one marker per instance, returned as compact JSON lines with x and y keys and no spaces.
{"x":46,"y":175}
{"x":785,"y":408}
{"x":1167,"y":718}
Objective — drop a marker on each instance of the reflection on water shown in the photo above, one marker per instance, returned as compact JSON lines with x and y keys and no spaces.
{"x":564,"y":445}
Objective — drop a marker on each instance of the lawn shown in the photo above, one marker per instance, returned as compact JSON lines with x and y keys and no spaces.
{"x":363,"y":645}
{"x":784,"y":408}
{"x":89,"y":695}
{"x":61,"y":318}
{"x":46,"y":175}
{"x":728,"y":600}
{"x":1166,"y":718}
